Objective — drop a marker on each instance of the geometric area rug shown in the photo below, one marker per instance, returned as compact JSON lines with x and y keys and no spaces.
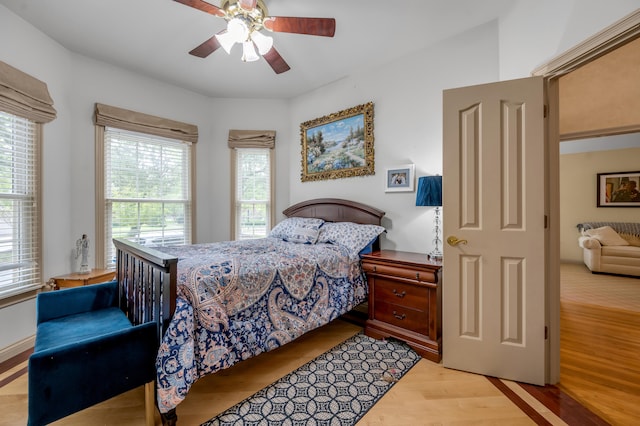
{"x":336,"y":388}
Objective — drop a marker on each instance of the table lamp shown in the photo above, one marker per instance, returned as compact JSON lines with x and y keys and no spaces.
{"x":430,"y":194}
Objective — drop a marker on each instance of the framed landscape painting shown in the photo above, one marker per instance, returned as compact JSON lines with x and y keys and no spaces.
{"x":338,"y":145}
{"x":619,"y":189}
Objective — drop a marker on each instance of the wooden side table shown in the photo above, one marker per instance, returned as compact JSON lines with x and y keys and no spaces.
{"x":76,"y":280}
{"x":405,"y":300}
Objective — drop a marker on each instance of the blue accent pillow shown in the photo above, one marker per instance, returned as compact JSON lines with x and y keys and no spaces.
{"x":368,"y":249}
{"x":354,"y":236}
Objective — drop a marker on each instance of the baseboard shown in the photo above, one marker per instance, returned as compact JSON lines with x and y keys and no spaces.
{"x":17,"y":348}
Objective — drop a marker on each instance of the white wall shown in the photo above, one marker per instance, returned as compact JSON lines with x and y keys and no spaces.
{"x":36,"y":54}
{"x":243,"y":114}
{"x":533,"y":32}
{"x":76,"y":83}
{"x":407,"y":96}
{"x":408,"y":123}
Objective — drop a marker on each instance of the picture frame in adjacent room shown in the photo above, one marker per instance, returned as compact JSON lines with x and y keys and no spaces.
{"x":400,"y":178}
{"x":338,"y":145}
{"x":618,"y":189}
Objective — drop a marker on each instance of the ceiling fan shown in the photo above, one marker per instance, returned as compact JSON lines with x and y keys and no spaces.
{"x":245,"y":19}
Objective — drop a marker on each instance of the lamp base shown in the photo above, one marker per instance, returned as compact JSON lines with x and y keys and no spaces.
{"x":435,"y":255}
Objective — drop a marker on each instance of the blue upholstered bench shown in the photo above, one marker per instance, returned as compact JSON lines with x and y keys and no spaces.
{"x":87,"y":351}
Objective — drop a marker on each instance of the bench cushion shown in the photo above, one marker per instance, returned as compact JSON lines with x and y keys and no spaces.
{"x":78,"y":327}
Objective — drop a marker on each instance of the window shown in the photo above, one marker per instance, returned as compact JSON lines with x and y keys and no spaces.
{"x":252,"y":188}
{"x":147,"y":190}
{"x":253,"y":193}
{"x":144,"y":180}
{"x":25,"y":105}
{"x":19,"y":204}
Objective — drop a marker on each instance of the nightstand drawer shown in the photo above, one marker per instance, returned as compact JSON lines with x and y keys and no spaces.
{"x":400,"y":272}
{"x":402,"y":316}
{"x":411,"y":296}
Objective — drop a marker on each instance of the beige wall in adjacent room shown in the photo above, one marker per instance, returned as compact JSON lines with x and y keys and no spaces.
{"x":601,"y":97}
{"x":578,"y":194}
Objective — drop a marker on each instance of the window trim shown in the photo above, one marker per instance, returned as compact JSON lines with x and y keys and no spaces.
{"x":25,"y":96}
{"x":100,"y":224}
{"x":19,"y":294}
{"x":234,"y":187}
{"x":239,"y":139}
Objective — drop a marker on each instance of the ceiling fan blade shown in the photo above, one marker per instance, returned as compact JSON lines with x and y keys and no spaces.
{"x":275,"y":61}
{"x":203,"y":6}
{"x":325,"y":27}
{"x":247,"y":5}
{"x":206,"y":48}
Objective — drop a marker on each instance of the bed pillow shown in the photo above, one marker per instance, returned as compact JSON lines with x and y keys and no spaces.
{"x":302,"y":230}
{"x":302,"y":235}
{"x":607,"y":236}
{"x":354,"y":236}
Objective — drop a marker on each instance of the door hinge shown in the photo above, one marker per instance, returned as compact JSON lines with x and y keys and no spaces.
{"x":546,"y":332}
{"x":546,"y":221}
{"x":545,"y":111}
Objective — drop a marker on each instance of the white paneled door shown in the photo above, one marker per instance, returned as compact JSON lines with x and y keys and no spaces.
{"x":494,"y":228}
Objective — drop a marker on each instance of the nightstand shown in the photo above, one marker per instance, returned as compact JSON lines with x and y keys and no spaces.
{"x":76,"y":280}
{"x":405,"y":300}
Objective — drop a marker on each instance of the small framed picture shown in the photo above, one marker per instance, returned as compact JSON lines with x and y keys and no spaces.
{"x":619,"y":189}
{"x":400,"y":179}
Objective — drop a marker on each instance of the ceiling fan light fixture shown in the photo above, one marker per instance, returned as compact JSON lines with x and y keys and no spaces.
{"x":226,"y":40}
{"x":249,"y":52}
{"x":245,"y":19}
{"x":239,"y":29}
{"x":237,"y":32}
{"x":263,"y":43}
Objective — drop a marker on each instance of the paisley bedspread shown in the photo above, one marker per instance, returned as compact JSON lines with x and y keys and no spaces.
{"x":237,"y":299}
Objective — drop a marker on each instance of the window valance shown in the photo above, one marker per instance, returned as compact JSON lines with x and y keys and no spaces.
{"x":125,"y":119}
{"x":252,"y":139}
{"x":24,"y":95}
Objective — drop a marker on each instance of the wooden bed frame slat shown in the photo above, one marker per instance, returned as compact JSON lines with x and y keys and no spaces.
{"x":147,"y":282}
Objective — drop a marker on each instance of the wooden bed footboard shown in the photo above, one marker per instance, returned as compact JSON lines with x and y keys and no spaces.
{"x":147,"y":281}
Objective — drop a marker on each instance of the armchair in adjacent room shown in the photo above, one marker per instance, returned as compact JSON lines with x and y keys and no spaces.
{"x":87,"y":351}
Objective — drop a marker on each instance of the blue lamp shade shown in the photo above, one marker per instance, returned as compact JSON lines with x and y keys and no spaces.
{"x":429,"y":191}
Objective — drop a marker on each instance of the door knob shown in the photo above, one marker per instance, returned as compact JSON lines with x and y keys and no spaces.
{"x":454,"y":241}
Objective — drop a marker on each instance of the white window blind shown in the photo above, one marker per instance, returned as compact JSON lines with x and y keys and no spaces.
{"x":147,"y":190}
{"x":19,"y":195}
{"x":253,"y":192}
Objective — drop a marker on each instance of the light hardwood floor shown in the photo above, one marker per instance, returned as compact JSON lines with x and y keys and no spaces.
{"x":600,"y":342}
{"x":428,"y":394}
{"x":599,"y":361}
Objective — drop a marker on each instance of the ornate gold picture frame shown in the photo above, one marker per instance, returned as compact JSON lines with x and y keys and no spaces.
{"x":338,"y":145}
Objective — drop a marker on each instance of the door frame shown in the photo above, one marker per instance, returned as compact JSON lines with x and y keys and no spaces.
{"x":601,"y":43}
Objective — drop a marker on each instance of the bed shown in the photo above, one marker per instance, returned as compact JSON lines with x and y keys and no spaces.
{"x":220,"y":303}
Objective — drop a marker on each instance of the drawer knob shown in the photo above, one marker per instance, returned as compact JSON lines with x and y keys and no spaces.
{"x":418,"y":276}
{"x":404,"y":293}
{"x":400,"y":317}
{"x":374,"y":268}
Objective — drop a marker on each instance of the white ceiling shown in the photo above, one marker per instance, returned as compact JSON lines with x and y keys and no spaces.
{"x":153,"y":37}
